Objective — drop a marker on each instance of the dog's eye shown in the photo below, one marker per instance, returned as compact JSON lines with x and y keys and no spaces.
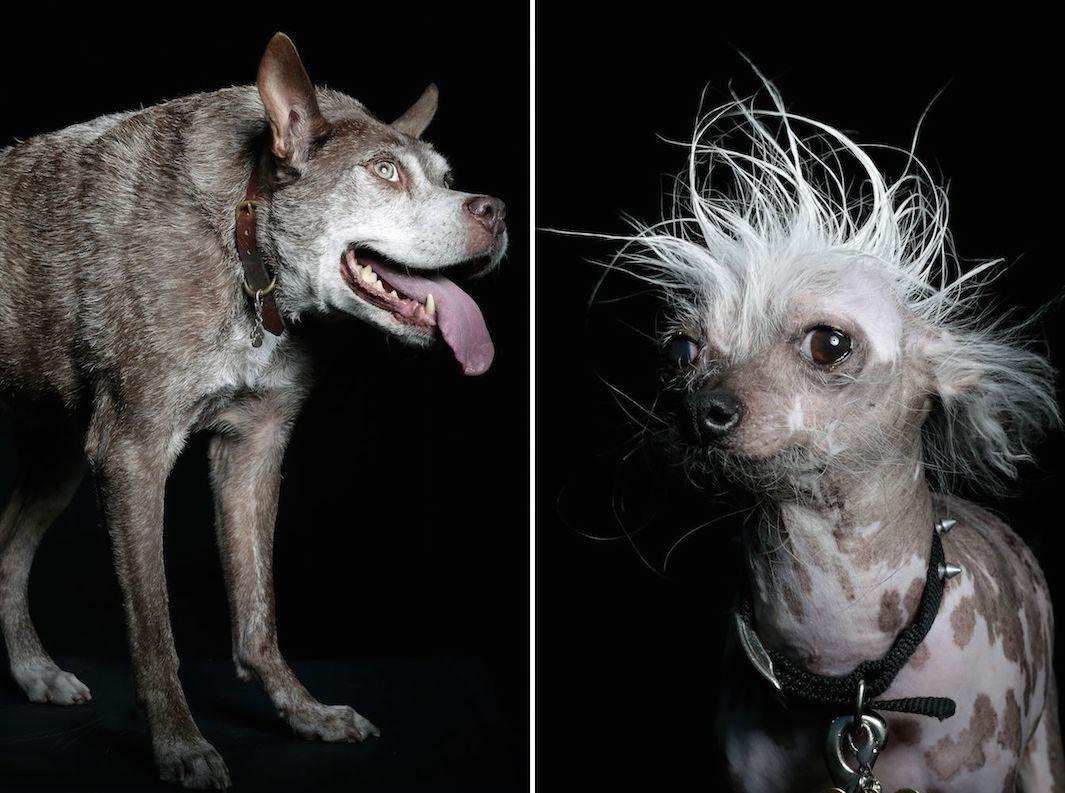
{"x":681,"y":351}
{"x":826,"y":346}
{"x":387,"y":170}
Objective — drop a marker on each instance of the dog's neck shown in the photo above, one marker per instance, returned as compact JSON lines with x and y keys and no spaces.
{"x":834,"y":578}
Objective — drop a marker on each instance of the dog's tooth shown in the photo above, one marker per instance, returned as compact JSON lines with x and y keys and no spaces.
{"x":430,"y":305}
{"x":394,"y":294}
{"x":380,"y":285}
{"x":367,"y":274}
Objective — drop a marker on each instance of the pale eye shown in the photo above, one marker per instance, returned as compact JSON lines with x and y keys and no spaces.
{"x":681,"y":351}
{"x":387,"y":170}
{"x":826,"y":346}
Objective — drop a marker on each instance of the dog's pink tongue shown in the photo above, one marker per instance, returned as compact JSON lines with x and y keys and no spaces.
{"x":457,"y":315}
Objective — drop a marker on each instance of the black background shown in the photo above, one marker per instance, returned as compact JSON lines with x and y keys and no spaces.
{"x":627,"y":656}
{"x":402,"y":537}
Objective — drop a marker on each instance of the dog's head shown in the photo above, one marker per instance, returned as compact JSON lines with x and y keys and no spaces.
{"x":363,"y":218}
{"x":818,"y":325}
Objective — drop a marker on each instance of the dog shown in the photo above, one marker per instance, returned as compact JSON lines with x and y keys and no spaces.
{"x":825,"y":353}
{"x":154,"y":267}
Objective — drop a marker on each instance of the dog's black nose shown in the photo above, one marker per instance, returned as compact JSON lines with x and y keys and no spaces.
{"x":714,"y":414}
{"x":487,"y":211}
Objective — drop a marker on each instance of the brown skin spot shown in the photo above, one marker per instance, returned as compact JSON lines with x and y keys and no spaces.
{"x":1009,"y":737}
{"x":1010,"y":785}
{"x":793,"y":601}
{"x":890,"y":618}
{"x":949,"y":756}
{"x":920,"y":656}
{"x":906,"y":731}
{"x":1055,"y":753}
{"x":845,"y":579}
{"x":912,"y":601}
{"x":963,"y":621}
{"x":805,"y":581}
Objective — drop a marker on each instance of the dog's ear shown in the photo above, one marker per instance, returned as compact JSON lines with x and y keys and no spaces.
{"x":291,"y":102}
{"x":994,"y":397}
{"x":418,"y":115}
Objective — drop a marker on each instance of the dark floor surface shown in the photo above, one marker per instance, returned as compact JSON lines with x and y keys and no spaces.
{"x":441,"y":731}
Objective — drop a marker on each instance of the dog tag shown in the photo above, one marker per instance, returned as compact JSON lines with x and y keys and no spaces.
{"x":257,"y":334}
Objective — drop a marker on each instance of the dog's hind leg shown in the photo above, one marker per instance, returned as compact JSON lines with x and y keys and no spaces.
{"x":246,"y":473}
{"x":51,"y":465}
{"x":1042,"y":768}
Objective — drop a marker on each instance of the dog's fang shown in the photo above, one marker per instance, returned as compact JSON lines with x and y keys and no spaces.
{"x":430,"y":305}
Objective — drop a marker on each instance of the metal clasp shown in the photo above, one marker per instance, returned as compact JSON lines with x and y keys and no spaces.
{"x":245,"y":206}
{"x":863,"y":739}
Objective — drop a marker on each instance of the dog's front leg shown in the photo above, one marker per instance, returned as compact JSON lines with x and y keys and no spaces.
{"x":246,"y":474}
{"x":131,"y":467}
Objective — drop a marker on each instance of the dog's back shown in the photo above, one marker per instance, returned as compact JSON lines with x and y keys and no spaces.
{"x":113,"y":240}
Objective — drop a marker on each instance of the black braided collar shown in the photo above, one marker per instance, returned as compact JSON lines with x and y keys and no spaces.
{"x":793,"y":681}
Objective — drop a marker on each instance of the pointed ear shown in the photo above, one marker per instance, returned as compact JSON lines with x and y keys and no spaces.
{"x":290,"y":100}
{"x":418,"y":115}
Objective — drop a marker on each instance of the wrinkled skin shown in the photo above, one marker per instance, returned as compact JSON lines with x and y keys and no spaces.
{"x":838,"y":559}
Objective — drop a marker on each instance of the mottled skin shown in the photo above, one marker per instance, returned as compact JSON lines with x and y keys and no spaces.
{"x":123,"y":329}
{"x":1004,"y":736}
{"x":838,"y":558}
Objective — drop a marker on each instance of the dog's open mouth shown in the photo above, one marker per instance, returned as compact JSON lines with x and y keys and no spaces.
{"x":426,"y":301}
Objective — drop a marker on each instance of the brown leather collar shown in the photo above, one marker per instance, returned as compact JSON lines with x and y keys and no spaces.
{"x":259,"y":284}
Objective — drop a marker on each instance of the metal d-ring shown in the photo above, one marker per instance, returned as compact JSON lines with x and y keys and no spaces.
{"x":259,"y":294}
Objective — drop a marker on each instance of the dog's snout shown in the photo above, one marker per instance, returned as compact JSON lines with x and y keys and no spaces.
{"x":487,"y":211}
{"x":715,"y":414}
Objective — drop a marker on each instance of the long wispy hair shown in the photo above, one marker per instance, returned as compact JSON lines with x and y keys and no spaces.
{"x":769,"y":197}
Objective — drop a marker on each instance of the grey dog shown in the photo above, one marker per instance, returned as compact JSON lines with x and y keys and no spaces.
{"x":165,"y":327}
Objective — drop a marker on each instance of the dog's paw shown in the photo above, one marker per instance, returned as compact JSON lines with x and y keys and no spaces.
{"x":192,"y":763}
{"x":334,"y":723}
{"x":43,"y":681}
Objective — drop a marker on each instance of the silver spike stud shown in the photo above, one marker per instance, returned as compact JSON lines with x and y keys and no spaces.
{"x":947,"y":570}
{"x":944,"y":525}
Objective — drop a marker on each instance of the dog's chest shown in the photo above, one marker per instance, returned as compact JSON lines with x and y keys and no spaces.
{"x":769,"y":747}
{"x":986,"y":650}
{"x":238,"y":365}
{"x":238,"y":369}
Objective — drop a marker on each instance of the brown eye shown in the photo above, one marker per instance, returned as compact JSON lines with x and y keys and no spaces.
{"x":826,"y":346}
{"x":681,"y":352}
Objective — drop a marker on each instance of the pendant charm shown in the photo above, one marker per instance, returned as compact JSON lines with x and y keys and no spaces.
{"x":257,"y":334}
